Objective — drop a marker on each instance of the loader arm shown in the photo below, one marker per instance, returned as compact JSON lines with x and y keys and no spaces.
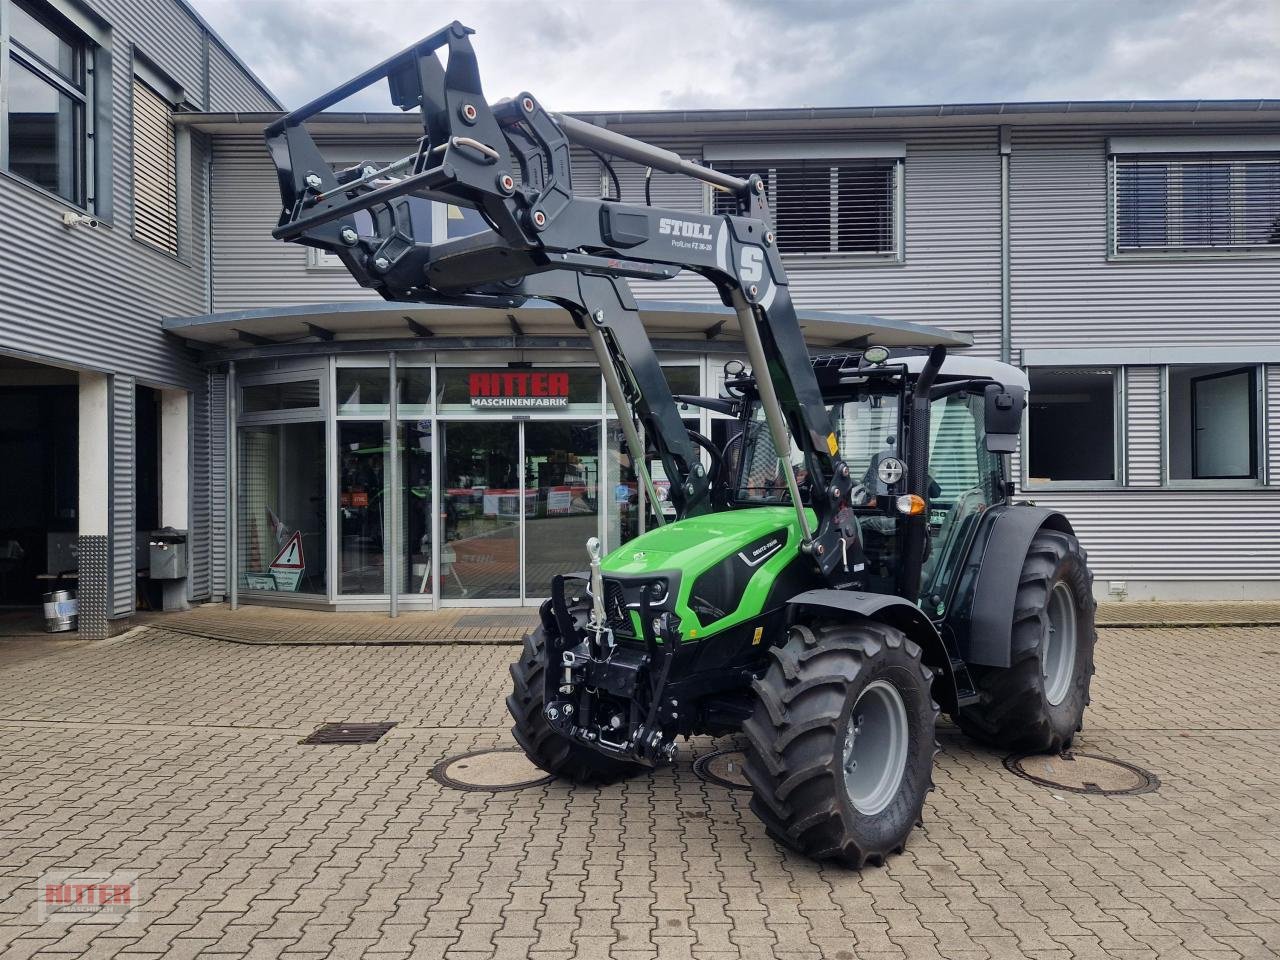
{"x":510,"y":162}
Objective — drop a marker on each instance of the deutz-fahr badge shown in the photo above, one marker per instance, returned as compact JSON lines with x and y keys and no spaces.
{"x":638,"y":555}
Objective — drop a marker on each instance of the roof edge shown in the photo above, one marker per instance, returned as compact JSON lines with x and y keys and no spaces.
{"x":1017,"y":112}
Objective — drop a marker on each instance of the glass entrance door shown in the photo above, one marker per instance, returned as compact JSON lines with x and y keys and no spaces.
{"x":518,"y":502}
{"x":480,"y":510}
{"x":562,"y":508}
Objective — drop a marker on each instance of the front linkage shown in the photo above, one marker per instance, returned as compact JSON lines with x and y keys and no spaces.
{"x":605,"y":691}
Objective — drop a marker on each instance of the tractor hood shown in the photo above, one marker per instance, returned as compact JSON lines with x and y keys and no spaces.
{"x":696,"y":543}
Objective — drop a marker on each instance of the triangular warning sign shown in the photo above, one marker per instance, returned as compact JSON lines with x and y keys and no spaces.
{"x":290,"y":555}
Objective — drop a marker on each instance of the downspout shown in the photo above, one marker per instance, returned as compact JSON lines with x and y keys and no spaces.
{"x":1006,"y":320}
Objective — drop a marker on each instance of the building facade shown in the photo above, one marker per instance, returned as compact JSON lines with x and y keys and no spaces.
{"x":347,"y":453}
{"x":103,"y":231}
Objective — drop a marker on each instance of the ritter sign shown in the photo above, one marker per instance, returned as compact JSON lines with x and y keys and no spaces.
{"x":519,"y":388}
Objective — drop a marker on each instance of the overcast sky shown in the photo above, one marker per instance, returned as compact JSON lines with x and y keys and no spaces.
{"x":637,"y":54}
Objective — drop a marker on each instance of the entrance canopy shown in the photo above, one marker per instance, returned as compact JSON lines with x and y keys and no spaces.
{"x":448,"y":326}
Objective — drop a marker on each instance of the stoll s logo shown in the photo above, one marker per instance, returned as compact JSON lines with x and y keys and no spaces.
{"x":519,"y":388}
{"x":687,"y":234}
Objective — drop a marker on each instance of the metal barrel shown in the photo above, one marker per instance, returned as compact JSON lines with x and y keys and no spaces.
{"x":629,"y":148}
{"x":60,"y":611}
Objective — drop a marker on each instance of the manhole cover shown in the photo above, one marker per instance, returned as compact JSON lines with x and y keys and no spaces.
{"x":1082,"y":773}
{"x":485,"y":621}
{"x":348,"y":733}
{"x":489,"y":770}
{"x":723,"y":767}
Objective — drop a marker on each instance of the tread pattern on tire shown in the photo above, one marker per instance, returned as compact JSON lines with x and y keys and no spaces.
{"x":543,"y":745}
{"x":797,"y":728}
{"x":1013,"y":713}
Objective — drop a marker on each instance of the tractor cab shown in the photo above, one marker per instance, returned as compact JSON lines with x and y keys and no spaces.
{"x":963,"y":473}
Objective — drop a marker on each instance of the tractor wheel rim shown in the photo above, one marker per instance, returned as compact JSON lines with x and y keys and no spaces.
{"x":1058,"y":646}
{"x":875,"y":747}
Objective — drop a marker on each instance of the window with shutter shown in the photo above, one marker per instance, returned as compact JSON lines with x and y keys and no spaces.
{"x":824,"y":207}
{"x":155,"y":169}
{"x":1195,"y":202}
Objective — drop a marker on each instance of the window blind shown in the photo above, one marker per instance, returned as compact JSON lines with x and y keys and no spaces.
{"x":825,"y":206}
{"x":1195,"y":202}
{"x":155,"y":169}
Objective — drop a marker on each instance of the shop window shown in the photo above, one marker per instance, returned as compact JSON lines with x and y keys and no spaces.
{"x":281,"y":509}
{"x":519,"y":389}
{"x":47,"y":108}
{"x":290,"y":395}
{"x":683,"y":380}
{"x":362,"y":499}
{"x":415,"y":512}
{"x":1071,"y":425}
{"x":413,"y":398}
{"x":1213,"y":422}
{"x":364,"y":391}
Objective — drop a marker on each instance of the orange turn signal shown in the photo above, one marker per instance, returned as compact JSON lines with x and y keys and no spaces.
{"x":911,"y":505}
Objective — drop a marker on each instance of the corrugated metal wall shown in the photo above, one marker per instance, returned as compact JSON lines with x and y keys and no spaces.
{"x":230,"y":88}
{"x":951,"y":275}
{"x":202,"y":505}
{"x":1162,"y":535}
{"x":93,"y":297}
{"x":218,"y":491}
{"x":1065,"y":291}
{"x":122,"y":489}
{"x":209,"y":489}
{"x":1143,"y":430}
{"x":1273,"y":424}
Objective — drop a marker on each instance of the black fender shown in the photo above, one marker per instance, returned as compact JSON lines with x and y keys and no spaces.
{"x":984,"y":605}
{"x":892,"y":610}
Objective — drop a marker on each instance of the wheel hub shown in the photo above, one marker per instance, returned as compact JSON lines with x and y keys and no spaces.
{"x":1058,"y":644}
{"x":875,"y":748}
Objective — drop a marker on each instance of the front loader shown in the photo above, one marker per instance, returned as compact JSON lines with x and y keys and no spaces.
{"x":847,"y":564}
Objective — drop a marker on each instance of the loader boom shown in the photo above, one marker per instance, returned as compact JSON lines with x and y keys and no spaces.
{"x":510,"y":162}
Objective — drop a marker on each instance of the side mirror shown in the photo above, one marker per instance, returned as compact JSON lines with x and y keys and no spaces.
{"x":1004,"y":405}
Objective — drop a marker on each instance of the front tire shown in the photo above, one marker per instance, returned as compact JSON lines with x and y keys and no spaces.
{"x":543,"y":745}
{"x":840,"y":747}
{"x":1037,"y":703}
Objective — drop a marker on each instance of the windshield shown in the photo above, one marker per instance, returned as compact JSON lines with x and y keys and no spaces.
{"x":866,"y":429}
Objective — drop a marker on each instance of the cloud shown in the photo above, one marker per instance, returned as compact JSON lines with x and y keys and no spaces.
{"x":653,"y":54}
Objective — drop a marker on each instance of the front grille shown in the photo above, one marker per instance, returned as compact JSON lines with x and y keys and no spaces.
{"x":615,"y":609}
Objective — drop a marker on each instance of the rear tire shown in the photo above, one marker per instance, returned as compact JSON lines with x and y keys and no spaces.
{"x":1037,"y":703}
{"x":552,"y":752}
{"x":823,"y":782}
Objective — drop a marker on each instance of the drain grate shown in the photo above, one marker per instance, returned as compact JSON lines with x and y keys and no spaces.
{"x":723,"y":767}
{"x":1083,"y":773}
{"x":348,"y":733}
{"x":487,"y":621}
{"x":489,"y":771}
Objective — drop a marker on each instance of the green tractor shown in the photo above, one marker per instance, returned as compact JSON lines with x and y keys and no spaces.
{"x":850,"y":562}
{"x":719,"y":623}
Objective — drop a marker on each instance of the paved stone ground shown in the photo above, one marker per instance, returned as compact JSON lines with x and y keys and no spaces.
{"x":276,"y":625}
{"x":178,"y":758}
{"x":280,"y":625}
